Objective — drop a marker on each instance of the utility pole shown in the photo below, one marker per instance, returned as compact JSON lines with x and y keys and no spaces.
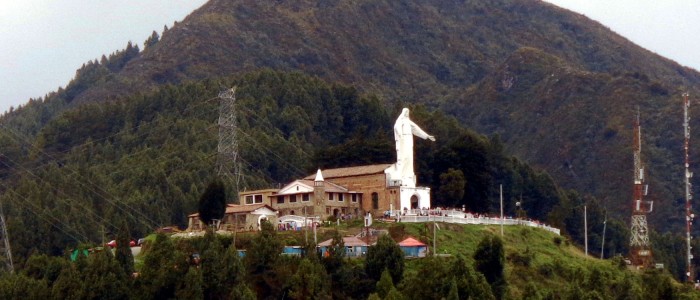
{"x":501,"y":193}
{"x":434,"y":239}
{"x":602,"y":245}
{"x":585,"y":228}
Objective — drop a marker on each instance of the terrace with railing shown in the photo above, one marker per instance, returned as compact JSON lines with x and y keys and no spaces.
{"x":461,"y":217}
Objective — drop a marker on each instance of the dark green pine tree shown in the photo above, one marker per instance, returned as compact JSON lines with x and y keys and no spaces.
{"x":103,"y":278}
{"x":453,"y":294}
{"x":385,"y":284}
{"x":242,"y":292}
{"x":19,"y":286}
{"x":212,"y":204}
{"x":394,"y":294}
{"x":123,"y":254}
{"x":489,"y":259}
{"x":67,"y":285}
{"x":452,"y":184}
{"x":386,"y":254}
{"x":261,"y":258}
{"x":163,"y":270}
{"x":152,"y":40}
{"x":234,"y":270}
{"x":191,"y":286}
{"x":310,"y":281}
{"x":214,"y":271}
{"x":336,"y":253}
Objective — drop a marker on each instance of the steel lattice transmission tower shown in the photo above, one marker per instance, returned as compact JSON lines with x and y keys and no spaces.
{"x":688,"y":189}
{"x":228,"y":166}
{"x":5,"y":245}
{"x":640,"y":250}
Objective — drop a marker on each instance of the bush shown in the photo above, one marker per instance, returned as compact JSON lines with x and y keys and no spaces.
{"x":557,"y":240}
{"x":546,"y":269}
{"x":523,"y":259}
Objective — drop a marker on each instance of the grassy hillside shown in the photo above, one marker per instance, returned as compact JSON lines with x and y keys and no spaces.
{"x":541,"y":263}
{"x":538,"y":263}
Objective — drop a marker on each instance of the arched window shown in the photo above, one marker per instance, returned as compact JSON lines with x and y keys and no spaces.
{"x":375,"y":201}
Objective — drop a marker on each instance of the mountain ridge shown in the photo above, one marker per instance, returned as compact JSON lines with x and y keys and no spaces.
{"x":568,"y":108}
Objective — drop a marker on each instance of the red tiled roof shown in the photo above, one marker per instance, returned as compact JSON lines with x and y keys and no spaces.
{"x":411,"y":242}
{"x":235,"y":208}
{"x":328,"y":186}
{"x":350,"y":241}
{"x":351,"y":171}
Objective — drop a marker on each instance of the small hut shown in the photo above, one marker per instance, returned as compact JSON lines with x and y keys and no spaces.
{"x":413,"y":248}
{"x":354,"y":247}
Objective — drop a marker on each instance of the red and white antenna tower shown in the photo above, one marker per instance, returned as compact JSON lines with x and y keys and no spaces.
{"x":688,"y":187}
{"x":640,"y":251}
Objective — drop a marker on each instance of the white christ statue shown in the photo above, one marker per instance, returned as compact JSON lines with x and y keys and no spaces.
{"x":404,"y":130}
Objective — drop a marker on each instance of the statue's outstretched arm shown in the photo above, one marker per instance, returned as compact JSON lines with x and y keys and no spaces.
{"x":417,"y":131}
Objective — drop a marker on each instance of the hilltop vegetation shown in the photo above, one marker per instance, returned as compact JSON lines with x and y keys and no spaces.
{"x":527,"y":263}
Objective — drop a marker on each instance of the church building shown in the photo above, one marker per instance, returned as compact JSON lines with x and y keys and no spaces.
{"x":352,"y":192}
{"x":356,"y":190}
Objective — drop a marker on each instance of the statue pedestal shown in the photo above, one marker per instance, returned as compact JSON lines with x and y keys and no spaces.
{"x":414,"y":197}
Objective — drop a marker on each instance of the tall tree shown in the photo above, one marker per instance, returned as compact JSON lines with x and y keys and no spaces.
{"x":310,"y":281}
{"x":213,"y":270}
{"x":261,"y":258}
{"x":124,"y":256}
{"x":489,"y":259}
{"x":385,"y":284}
{"x":191,"y":286}
{"x":452,"y":184}
{"x":212,"y":204}
{"x":386,"y":254}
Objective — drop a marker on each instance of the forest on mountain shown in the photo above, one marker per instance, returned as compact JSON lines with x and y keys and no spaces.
{"x":560,"y":90}
{"x":519,"y":93}
{"x":211,"y":267}
{"x":147,"y":160}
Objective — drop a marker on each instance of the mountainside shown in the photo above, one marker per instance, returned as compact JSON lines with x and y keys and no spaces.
{"x":411,"y":51}
{"x":559,"y":90}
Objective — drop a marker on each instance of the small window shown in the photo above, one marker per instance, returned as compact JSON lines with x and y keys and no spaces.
{"x":280,"y":199}
{"x":305,"y":197}
{"x":340,"y":197}
{"x":330,"y":196}
{"x":292,"y":198}
{"x":375,"y":201}
{"x":253,"y":199}
{"x":328,"y":210}
{"x":354,"y":197}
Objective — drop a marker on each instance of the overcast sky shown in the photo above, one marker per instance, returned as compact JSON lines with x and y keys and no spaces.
{"x":670,"y":28}
{"x":43,"y":42}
